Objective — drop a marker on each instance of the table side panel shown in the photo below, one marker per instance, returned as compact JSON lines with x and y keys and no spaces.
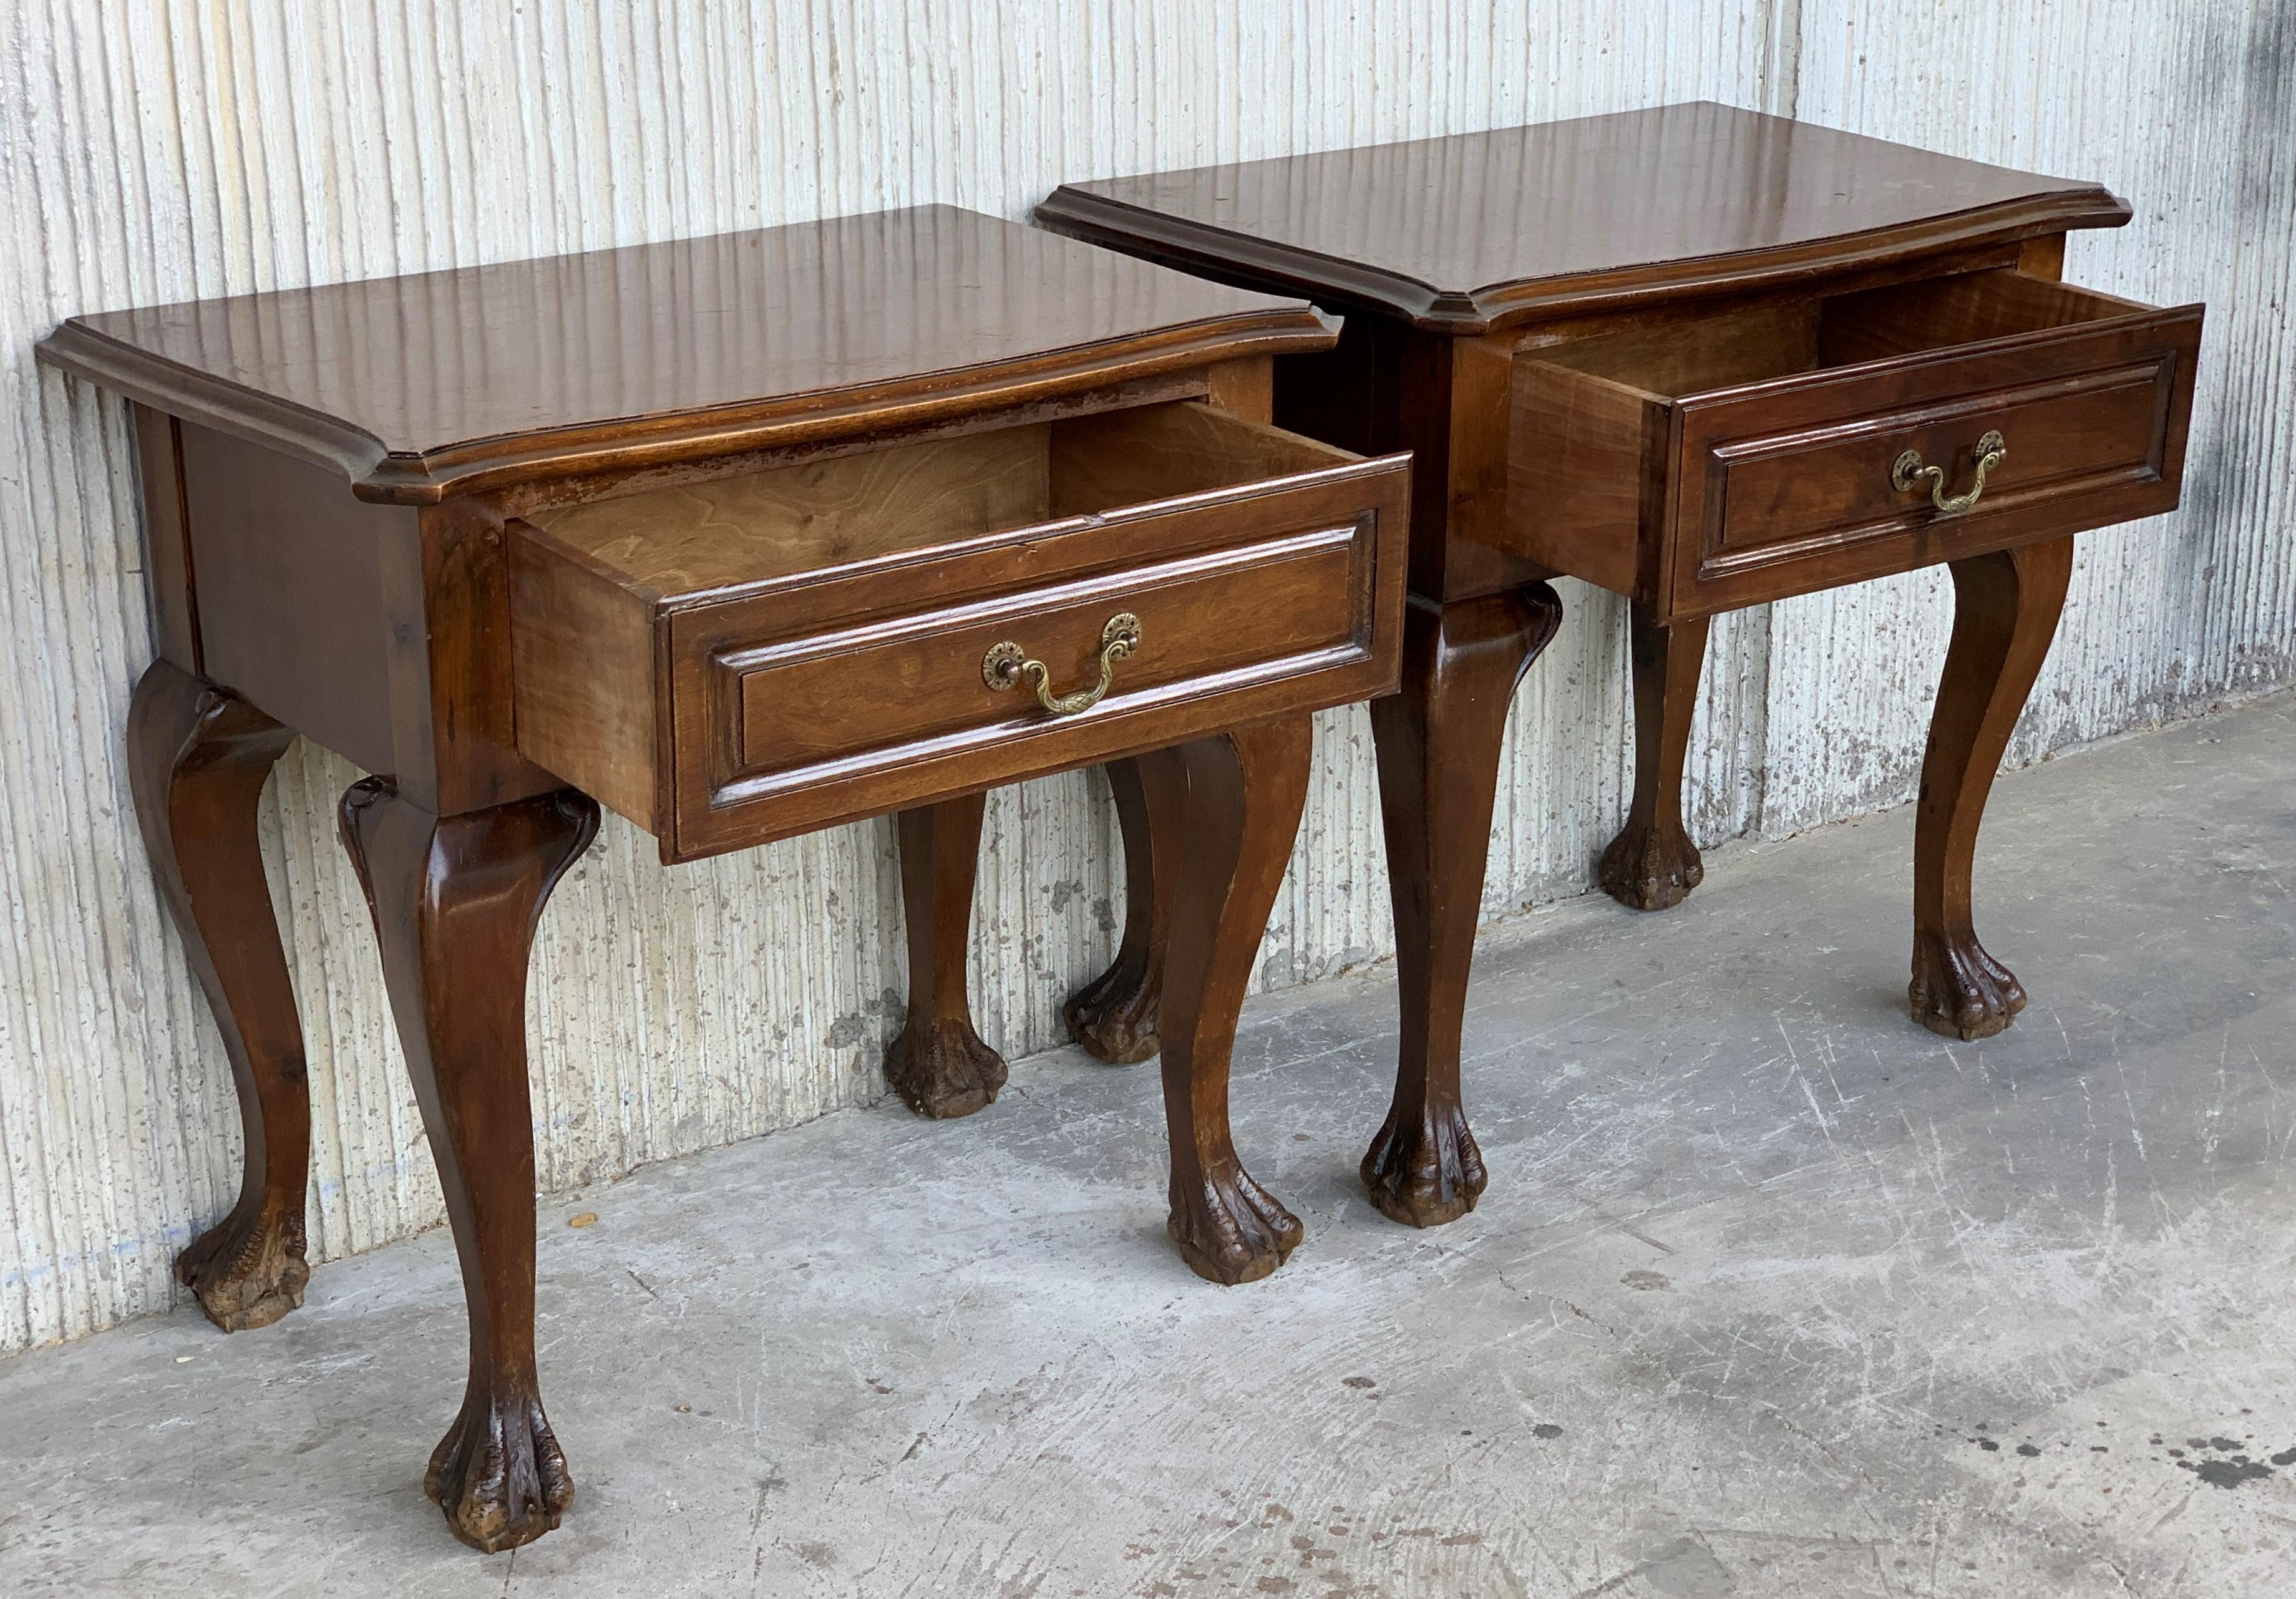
{"x":292,"y":590}
{"x":167,"y":547}
{"x":1444,"y":400}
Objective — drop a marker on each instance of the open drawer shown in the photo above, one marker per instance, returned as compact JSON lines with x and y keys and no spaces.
{"x":1794,"y":446}
{"x":755,"y":657}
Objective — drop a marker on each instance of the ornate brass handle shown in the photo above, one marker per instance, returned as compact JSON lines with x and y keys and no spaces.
{"x":1908,"y":473}
{"x":1004,"y":666}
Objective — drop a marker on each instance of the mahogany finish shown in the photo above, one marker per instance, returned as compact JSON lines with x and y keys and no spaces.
{"x":1485,"y":231}
{"x":1243,"y":792}
{"x":1678,"y":354}
{"x":456,"y":900}
{"x":197,"y":757}
{"x":1747,"y":458}
{"x":724,"y":534}
{"x":448,"y":383}
{"x":2006,"y":609}
{"x":938,"y":1065}
{"x":819,"y":654}
{"x":1651,"y":863}
{"x":1438,"y":743}
{"x":1114,"y":1016}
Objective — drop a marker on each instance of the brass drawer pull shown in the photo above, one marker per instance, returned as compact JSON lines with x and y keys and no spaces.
{"x":1007,"y":663}
{"x":1905,"y":476}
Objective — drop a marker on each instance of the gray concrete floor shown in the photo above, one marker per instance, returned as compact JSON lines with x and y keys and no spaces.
{"x":1773,"y":1293}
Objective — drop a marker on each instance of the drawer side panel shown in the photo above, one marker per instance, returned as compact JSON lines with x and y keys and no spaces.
{"x":1577,"y":455}
{"x":582,"y":663}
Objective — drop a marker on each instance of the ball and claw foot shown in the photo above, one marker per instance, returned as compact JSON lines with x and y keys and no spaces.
{"x":942,"y":1069}
{"x":1114,"y":1017}
{"x":1651,"y":868}
{"x":499,"y":1475}
{"x":1425,"y":1174}
{"x":247,"y":1274}
{"x":1232,"y":1230}
{"x":1961,"y":991}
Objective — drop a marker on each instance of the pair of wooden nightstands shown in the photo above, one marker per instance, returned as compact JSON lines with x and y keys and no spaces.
{"x":747,"y":535}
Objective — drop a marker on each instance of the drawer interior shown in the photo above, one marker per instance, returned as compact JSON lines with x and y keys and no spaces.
{"x":697,"y":540}
{"x":1722,"y":460}
{"x":731,"y":660}
{"x":1677,"y":360}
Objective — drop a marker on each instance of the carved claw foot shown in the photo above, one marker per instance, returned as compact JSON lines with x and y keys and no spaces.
{"x":942,"y":1069}
{"x":1651,"y":868}
{"x":1961,"y":991}
{"x":1114,"y":1015}
{"x":498,"y":1474}
{"x":1232,"y":1230}
{"x":1425,"y":1172}
{"x":247,"y":1271}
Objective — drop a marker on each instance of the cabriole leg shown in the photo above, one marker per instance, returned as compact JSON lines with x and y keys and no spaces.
{"x":938,"y":1065}
{"x":2005,"y":610}
{"x":1439,"y":742}
{"x":197,"y":758}
{"x":456,"y":900}
{"x":1114,"y":1015}
{"x":1652,"y":864}
{"x":1242,"y":792}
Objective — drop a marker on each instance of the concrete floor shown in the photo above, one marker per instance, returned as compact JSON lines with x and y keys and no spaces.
{"x":1773,"y":1294}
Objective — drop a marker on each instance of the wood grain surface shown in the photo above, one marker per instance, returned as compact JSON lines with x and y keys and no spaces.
{"x":438,"y":382}
{"x":1467,"y":233}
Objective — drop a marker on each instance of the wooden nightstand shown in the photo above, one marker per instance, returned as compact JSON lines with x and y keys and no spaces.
{"x":1705,"y":358}
{"x":742,"y":537}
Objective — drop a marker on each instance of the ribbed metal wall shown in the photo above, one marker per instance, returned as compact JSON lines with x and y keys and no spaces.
{"x":152,"y":151}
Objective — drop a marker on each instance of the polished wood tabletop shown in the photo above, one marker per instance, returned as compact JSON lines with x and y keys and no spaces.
{"x":1476,"y":230}
{"x":743,"y":537}
{"x":442,"y":382}
{"x":1705,"y":358}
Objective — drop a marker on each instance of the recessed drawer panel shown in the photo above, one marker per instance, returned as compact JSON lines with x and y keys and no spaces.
{"x":1778,"y":494}
{"x":1794,"y":447}
{"x":1234,"y":612}
{"x":867,"y":633}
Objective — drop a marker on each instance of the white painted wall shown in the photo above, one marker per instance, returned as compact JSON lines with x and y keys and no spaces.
{"x":152,"y":151}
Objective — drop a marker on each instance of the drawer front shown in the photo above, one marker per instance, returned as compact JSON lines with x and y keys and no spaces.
{"x":793,"y":711}
{"x":1789,"y":486}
